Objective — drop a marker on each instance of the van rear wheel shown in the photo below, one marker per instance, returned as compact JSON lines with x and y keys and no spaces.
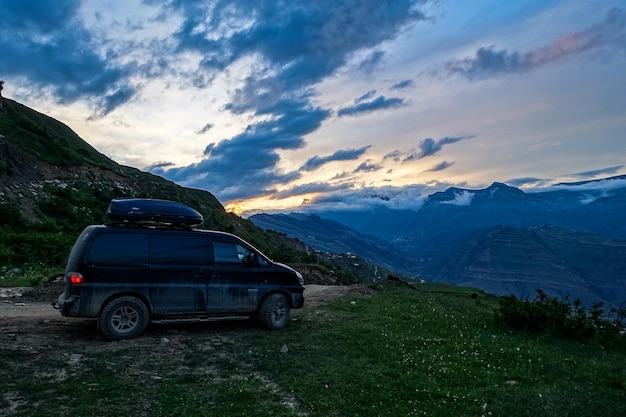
{"x":274,"y":312}
{"x":123,"y":318}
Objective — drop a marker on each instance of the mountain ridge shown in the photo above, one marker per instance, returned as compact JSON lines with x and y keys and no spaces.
{"x":502,"y":239}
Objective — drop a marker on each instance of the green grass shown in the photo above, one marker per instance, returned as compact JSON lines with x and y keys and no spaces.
{"x":28,"y":275}
{"x":47,"y":138}
{"x":434,"y":351}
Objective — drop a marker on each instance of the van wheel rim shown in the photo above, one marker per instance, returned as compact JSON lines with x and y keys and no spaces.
{"x":278,"y":312}
{"x":124,"y":319}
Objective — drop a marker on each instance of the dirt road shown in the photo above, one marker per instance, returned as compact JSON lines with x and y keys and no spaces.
{"x":29,"y":323}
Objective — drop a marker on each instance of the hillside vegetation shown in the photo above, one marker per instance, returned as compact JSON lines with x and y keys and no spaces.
{"x":53,"y":184}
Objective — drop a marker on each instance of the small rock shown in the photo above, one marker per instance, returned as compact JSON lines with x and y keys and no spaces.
{"x":284,"y":349}
{"x":75,"y":357}
{"x":165,"y":340}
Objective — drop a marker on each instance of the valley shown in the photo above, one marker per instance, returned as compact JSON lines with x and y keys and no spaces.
{"x":569,"y":241}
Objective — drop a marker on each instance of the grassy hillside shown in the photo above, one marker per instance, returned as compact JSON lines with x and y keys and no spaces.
{"x":397,"y":351}
{"x":48,"y":139}
{"x":53,"y":184}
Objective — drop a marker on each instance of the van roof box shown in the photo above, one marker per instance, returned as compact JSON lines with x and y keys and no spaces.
{"x":142,"y":210}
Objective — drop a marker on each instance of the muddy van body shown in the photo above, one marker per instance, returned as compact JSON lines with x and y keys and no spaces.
{"x":126,"y":275}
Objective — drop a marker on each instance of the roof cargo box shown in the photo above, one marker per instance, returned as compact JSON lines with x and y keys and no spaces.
{"x":148,"y":210}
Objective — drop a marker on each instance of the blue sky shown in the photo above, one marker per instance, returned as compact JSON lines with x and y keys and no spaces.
{"x":294,"y":105}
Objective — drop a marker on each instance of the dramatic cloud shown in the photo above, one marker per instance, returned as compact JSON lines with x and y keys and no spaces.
{"x":596,"y":172}
{"x":530,"y":181}
{"x":440,"y":166}
{"x":45,"y":17}
{"x":245,"y":165}
{"x":296,"y":46}
{"x":366,"y":96}
{"x":410,"y":197}
{"x":379,"y":103}
{"x":402,"y":85}
{"x":490,"y":62}
{"x":49,"y":35}
{"x":205,"y":128}
{"x":159,"y":166}
{"x":426,"y":147}
{"x":299,"y":43}
{"x":116,"y":99}
{"x":310,"y":188}
{"x":155,"y":82}
{"x":369,"y":64}
{"x":340,"y":155}
{"x":368,"y":167}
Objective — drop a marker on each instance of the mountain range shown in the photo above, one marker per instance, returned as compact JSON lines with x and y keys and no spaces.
{"x":568,"y":240}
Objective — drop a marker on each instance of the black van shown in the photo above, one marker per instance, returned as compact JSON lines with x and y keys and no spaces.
{"x":128,"y":273}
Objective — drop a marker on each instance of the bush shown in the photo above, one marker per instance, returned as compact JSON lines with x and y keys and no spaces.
{"x":11,"y":217}
{"x":34,"y":247}
{"x":561,"y":318}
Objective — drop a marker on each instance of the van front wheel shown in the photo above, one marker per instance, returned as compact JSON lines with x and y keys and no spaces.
{"x":123,"y":318}
{"x":274,"y":312}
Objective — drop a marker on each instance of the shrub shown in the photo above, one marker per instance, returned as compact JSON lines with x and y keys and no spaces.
{"x":557,"y":317}
{"x":11,"y":217}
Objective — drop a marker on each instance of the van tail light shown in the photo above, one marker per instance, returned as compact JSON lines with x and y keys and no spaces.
{"x":75,"y":278}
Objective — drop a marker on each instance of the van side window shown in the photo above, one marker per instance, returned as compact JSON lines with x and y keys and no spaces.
{"x":118,"y":249}
{"x":179,"y":250}
{"x":229,"y":253}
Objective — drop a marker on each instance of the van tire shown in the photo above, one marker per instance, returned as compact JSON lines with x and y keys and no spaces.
{"x":274,"y":312}
{"x":123,"y":318}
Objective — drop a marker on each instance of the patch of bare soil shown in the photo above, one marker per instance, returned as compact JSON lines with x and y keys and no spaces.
{"x":29,"y":323}
{"x":315,"y":294}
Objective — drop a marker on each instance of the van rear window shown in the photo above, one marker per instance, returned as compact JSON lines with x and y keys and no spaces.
{"x":117,"y":249}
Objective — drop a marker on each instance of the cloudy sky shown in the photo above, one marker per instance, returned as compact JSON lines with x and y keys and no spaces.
{"x":294,"y":104}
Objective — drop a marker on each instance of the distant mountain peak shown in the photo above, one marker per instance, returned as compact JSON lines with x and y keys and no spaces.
{"x":463,"y":197}
{"x":501,"y":186}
